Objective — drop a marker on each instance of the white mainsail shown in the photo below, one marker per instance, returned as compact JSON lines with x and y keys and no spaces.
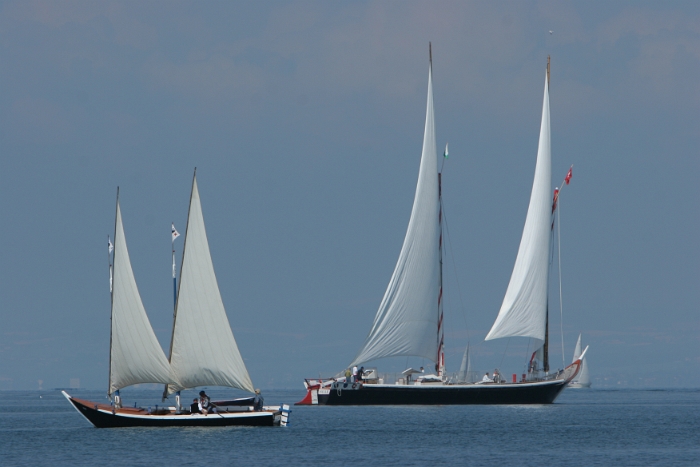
{"x":203,"y":350}
{"x":135,"y":354}
{"x":407,"y":320}
{"x":524,"y":308}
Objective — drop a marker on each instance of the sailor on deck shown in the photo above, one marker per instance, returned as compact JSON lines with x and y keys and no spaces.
{"x":205,"y":405}
{"x":258,"y":401}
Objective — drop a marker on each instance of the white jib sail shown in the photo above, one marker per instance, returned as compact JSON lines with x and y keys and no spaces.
{"x":524,"y":308}
{"x":407,"y":319}
{"x":203,"y":349}
{"x":584,"y":377}
{"x":135,"y":354}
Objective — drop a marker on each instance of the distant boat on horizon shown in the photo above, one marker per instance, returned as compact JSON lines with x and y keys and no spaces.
{"x":583,"y":379}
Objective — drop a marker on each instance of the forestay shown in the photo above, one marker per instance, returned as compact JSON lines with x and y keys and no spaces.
{"x":524,"y":308}
{"x":406,"y":322}
{"x":203,"y":349}
{"x":135,"y":354}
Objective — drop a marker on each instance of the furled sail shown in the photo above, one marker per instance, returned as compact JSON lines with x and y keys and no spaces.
{"x":407,"y":320}
{"x":524,"y":308}
{"x":203,"y":350}
{"x":135,"y":354}
{"x":465,"y":368}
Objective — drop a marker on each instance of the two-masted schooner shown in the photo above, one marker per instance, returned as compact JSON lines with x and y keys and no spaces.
{"x":409,"y":320}
{"x":203,"y":351}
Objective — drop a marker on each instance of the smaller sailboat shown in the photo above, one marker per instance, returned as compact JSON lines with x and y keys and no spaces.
{"x":583,"y":379}
{"x":203,"y":349}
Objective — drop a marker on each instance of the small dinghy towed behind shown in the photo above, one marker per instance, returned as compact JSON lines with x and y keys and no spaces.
{"x":199,"y":355}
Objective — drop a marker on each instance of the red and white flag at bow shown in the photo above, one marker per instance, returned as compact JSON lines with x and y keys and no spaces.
{"x":567,"y":179}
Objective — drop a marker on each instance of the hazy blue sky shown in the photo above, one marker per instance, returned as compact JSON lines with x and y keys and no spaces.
{"x":305,"y":123}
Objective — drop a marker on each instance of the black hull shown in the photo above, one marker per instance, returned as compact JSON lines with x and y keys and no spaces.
{"x":509,"y":394}
{"x":332,"y":392}
{"x":101,"y":417}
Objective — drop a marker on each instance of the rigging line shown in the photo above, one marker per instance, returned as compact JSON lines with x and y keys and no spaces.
{"x":500,"y":365}
{"x":527,"y":352}
{"x":561,"y":307}
{"x":454,"y":267}
{"x":549,"y":270}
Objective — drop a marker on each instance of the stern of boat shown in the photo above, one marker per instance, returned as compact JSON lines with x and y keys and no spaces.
{"x":314,"y":387}
{"x":281,"y":414}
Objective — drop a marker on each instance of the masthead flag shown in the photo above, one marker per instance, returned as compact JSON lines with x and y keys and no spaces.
{"x":446,"y":154}
{"x":175,"y":233}
{"x":567,"y":179}
{"x":110,"y":247}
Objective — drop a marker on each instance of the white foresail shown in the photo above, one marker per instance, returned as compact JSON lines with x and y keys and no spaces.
{"x":203,"y":349}
{"x":524,"y":308}
{"x":135,"y":354}
{"x":584,"y":378}
{"x":407,"y":320}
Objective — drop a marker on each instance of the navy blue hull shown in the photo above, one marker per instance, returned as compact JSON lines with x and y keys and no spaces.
{"x":370,"y":394}
{"x":101,"y":416}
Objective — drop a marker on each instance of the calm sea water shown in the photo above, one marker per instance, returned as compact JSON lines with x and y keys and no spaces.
{"x":584,"y":427}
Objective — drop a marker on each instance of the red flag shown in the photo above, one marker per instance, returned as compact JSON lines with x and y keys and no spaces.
{"x":554,"y":201}
{"x":567,"y":179}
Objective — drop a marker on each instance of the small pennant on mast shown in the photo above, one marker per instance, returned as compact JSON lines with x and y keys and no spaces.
{"x":567,"y":180}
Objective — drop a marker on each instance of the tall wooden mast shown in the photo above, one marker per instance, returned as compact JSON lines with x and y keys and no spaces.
{"x":545,"y":347}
